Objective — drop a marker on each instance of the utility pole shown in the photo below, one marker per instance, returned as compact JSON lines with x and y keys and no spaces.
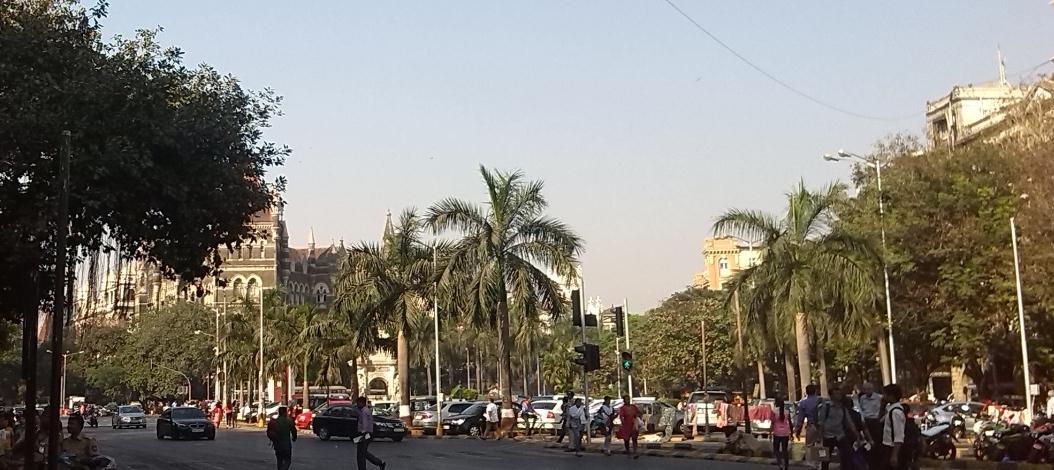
{"x":1021,"y":321}
{"x":582,"y":313}
{"x":625,"y":320}
{"x":260,"y":418}
{"x":740,"y":361}
{"x":58,"y":312}
{"x":435,"y":325}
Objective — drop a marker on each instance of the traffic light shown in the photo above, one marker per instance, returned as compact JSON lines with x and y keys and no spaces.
{"x":576,"y":308}
{"x":620,"y":326}
{"x":627,"y":360}
{"x":589,"y":356}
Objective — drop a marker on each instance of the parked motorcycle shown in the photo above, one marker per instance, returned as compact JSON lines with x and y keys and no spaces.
{"x":1042,"y":444}
{"x":999,"y":443}
{"x":939,"y":442}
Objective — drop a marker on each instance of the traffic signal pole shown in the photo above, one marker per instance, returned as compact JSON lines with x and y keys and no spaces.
{"x":629,"y":374}
{"x":585,"y":374}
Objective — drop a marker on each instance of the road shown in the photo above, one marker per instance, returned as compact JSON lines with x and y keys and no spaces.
{"x":138,"y":449}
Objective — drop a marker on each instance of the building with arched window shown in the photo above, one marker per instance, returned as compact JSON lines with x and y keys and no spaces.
{"x":723,"y":257}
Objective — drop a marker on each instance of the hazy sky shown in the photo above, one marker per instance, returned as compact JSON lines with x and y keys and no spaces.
{"x":642,"y":128}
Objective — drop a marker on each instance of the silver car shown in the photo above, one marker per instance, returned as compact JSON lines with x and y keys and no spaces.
{"x":426,"y":419}
{"x":129,"y":416}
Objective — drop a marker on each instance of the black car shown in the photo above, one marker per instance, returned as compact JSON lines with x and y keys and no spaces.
{"x":338,"y":420}
{"x":185,"y":422}
{"x":472,"y":421}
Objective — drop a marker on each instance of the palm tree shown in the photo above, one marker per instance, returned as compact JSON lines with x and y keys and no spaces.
{"x":505,"y":257}
{"x":806,"y":264}
{"x":290,"y":344}
{"x":389,"y":286}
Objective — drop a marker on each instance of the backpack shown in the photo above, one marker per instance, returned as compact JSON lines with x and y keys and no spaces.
{"x":912,"y":435}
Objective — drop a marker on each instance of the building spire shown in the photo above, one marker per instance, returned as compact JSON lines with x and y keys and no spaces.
{"x":1002,"y":67}
{"x":389,"y":231}
{"x":311,"y":239}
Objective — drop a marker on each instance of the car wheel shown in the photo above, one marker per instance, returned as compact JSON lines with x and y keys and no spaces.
{"x":174,"y":435}
{"x":160,"y":436}
{"x":322,"y":433}
{"x":397,"y":438}
{"x":475,"y":431}
{"x":211,"y":437}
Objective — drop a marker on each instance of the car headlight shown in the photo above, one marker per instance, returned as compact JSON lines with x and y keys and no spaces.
{"x":125,"y":419}
{"x":989,"y":432}
{"x":458,"y":421}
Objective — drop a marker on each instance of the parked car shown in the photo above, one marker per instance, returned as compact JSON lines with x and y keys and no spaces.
{"x":763,"y":427}
{"x":705,"y":412}
{"x":248,"y":412}
{"x":185,"y":422}
{"x":428,"y":418}
{"x":970,"y":411}
{"x":549,"y":414}
{"x":129,"y":416}
{"x":472,"y":421}
{"x":338,"y":420}
{"x":303,"y":420}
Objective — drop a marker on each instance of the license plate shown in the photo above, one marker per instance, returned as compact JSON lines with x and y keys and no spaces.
{"x":446,"y":426}
{"x":197,"y":430}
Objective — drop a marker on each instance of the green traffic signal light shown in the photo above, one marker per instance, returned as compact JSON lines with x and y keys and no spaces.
{"x":627,"y":360}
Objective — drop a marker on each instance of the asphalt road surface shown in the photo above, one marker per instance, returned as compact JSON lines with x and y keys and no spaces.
{"x":139,"y":449}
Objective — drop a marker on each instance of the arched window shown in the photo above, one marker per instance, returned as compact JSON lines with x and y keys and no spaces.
{"x":251,"y":289}
{"x":378,"y":387}
{"x":723,"y":265}
{"x":239,"y":288}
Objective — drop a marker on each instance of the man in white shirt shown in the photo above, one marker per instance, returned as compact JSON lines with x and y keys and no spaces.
{"x":492,"y":420}
{"x":870,"y":404}
{"x":1050,"y":404}
{"x":892,"y":428}
{"x":576,"y":420}
{"x":605,"y":415}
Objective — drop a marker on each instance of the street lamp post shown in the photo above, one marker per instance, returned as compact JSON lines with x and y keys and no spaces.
{"x":435,"y":326}
{"x":62,"y":387}
{"x":873,"y":161}
{"x":180,"y":373}
{"x":216,"y":353}
{"x":260,"y":417}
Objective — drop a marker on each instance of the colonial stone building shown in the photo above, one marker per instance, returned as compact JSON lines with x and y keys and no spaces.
{"x":112,"y":289}
{"x":723,"y":257}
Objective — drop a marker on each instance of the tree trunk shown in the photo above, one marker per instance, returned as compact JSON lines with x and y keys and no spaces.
{"x":355,"y":389}
{"x":883,"y":356}
{"x":479,"y":375}
{"x":504,"y":364}
{"x":523,"y":370}
{"x":305,"y":399}
{"x":821,"y":359}
{"x":428,"y":375}
{"x":761,"y":377}
{"x":403,"y":362}
{"x":792,"y":380}
{"x":804,"y":356}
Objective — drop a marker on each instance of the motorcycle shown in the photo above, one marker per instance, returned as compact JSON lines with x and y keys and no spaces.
{"x":939,"y":442}
{"x":1004,"y":443}
{"x":93,"y":420}
{"x":1042,"y":444}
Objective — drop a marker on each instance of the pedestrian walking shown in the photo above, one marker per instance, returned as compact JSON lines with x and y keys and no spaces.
{"x":781,"y":431}
{"x":217,"y":415}
{"x":282,"y":433}
{"x":576,"y":420}
{"x":894,"y":422}
{"x":806,"y":419}
{"x":837,"y":429}
{"x":629,"y":425}
{"x":870,"y":405}
{"x":230,"y":413}
{"x":561,"y":431}
{"x":492,"y":420}
{"x":528,"y":415}
{"x":605,"y":419}
{"x":364,"y":414}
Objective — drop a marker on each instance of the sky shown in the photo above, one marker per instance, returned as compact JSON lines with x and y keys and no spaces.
{"x":643,"y":129}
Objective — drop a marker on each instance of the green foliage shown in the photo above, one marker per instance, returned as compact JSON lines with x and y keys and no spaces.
{"x":666,"y":344}
{"x":503,"y":262}
{"x":149,"y":135}
{"x":463,"y":393}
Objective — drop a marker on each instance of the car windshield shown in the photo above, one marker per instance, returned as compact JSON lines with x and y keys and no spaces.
{"x":187,"y":413}
{"x":474,"y":409}
{"x":131,"y":409}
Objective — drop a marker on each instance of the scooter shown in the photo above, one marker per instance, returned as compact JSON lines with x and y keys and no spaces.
{"x":939,"y":442}
{"x":1042,"y":444}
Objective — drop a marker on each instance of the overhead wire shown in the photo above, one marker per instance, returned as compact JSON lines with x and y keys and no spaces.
{"x":781,"y":82}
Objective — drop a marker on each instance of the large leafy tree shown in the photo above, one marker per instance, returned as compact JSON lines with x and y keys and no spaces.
{"x":505,"y":259}
{"x":806,"y":265}
{"x":389,"y":286}
{"x":149,"y":134}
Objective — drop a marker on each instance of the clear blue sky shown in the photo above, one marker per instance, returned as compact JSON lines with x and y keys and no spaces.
{"x":642,"y":128}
